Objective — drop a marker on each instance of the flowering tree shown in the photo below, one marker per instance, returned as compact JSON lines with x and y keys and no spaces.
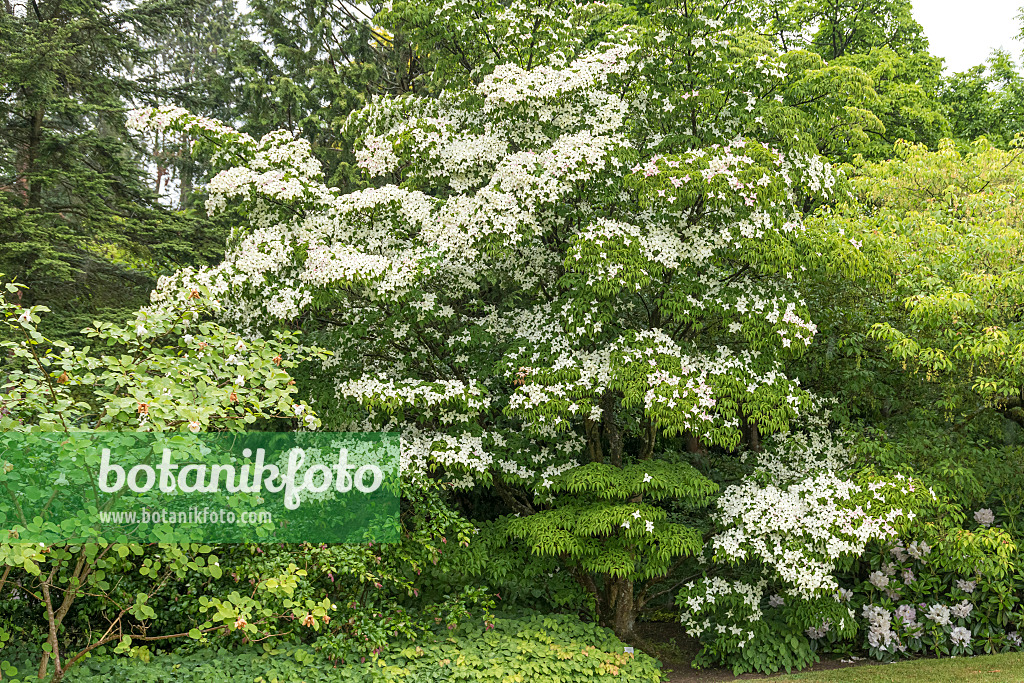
{"x":571,"y":269}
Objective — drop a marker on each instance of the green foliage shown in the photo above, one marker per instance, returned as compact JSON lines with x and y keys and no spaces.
{"x":953,"y":242}
{"x":836,"y":28}
{"x":456,"y":44}
{"x":546,"y":649}
{"x":515,"y":576}
{"x":907,"y":105}
{"x":880,"y":38}
{"x":978,"y":567}
{"x":926,"y":349}
{"x":165,"y":370}
{"x":305,"y":65}
{"x":986,"y":101}
{"x":778,"y":641}
{"x":598,"y":523}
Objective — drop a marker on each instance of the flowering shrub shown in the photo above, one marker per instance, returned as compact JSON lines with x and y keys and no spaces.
{"x":170,"y":369}
{"x":804,"y":514}
{"x":956,"y":596}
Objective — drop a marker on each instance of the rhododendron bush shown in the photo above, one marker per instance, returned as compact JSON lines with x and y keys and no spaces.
{"x":571,"y":267}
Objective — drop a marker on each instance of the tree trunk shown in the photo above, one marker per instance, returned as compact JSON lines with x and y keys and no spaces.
{"x":35,"y":140}
{"x":751,"y":434}
{"x":612,"y":431}
{"x":624,"y":618}
{"x":185,"y":196}
{"x":186,"y":172}
{"x":693,"y":444}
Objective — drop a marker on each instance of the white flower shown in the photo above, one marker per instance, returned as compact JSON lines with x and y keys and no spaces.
{"x":939,"y":614}
{"x":966,"y":586}
{"x":984,"y":517}
{"x":647,"y":478}
{"x":962,"y":610}
{"x":878,"y":579}
{"x":898,"y":551}
{"x":650,"y":526}
{"x":194,"y":426}
{"x":960,"y":636}
{"x":907,"y":614}
{"x":819,"y":632}
{"x":239,"y":381}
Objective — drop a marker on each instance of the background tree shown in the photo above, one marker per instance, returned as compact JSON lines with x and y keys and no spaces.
{"x":882,"y":40}
{"x":196,"y":59}
{"x":80,"y":224}
{"x":316,"y":62}
{"x":987,"y":101}
{"x":959,"y":263}
{"x":843,"y":27}
{"x":908,"y":106}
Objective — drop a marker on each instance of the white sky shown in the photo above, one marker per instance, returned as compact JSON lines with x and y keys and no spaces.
{"x":966,"y":32}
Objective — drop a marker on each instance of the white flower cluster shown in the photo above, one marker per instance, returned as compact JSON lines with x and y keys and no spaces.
{"x":800,"y":531}
{"x":960,"y":636}
{"x":917,"y":550}
{"x":819,"y":632}
{"x":538,"y":220}
{"x":440,"y":397}
{"x":890,"y":631}
{"x":796,"y":518}
{"x":939,"y":614}
{"x":880,"y":632}
{"x":710,"y":595}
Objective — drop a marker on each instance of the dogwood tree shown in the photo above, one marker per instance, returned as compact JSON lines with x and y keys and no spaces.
{"x":569,"y":269}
